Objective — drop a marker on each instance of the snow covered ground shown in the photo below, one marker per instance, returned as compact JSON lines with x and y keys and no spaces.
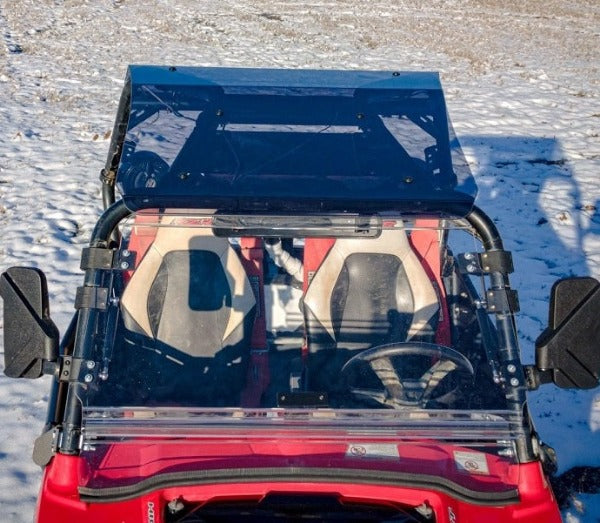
{"x":522,"y":85}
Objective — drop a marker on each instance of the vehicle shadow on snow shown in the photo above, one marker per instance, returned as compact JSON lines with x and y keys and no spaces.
{"x":527,"y":186}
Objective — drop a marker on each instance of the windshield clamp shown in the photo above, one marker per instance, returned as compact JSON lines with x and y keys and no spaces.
{"x":91,"y":298}
{"x":481,"y":263}
{"x":106,"y":259}
{"x":77,"y":369}
{"x":502,"y":301}
{"x":97,"y":258}
{"x":496,"y":261}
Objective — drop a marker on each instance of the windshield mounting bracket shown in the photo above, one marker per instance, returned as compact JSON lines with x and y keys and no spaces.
{"x":482,"y":263}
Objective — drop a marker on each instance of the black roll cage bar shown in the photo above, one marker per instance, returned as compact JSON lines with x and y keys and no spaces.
{"x":106,"y":232}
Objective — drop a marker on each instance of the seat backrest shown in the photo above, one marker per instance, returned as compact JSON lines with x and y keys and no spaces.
{"x":370,"y":292}
{"x":190,"y":293}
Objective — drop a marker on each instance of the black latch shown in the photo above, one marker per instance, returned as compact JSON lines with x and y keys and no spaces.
{"x":302,"y":399}
{"x":91,"y":298}
{"x":502,"y":301}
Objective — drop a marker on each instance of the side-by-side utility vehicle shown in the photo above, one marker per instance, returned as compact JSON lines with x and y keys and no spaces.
{"x":292,"y":311}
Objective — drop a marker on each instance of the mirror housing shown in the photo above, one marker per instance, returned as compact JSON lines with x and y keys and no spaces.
{"x":30,"y":336}
{"x":569,"y":349}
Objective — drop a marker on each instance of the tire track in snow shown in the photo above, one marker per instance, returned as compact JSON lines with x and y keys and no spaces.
{"x":12,"y":47}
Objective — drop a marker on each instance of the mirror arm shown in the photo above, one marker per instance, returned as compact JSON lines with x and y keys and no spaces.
{"x":51,"y":368}
{"x":535,"y":377}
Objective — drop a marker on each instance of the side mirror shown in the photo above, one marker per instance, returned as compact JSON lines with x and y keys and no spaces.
{"x":30,"y":336}
{"x":568,"y":351}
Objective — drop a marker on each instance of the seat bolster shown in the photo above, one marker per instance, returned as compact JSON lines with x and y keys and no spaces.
{"x":318,"y":295}
{"x":135,"y":295}
{"x":242,"y":294}
{"x":426,"y":303}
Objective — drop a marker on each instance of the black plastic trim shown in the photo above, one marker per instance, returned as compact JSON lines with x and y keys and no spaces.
{"x":299,"y":475}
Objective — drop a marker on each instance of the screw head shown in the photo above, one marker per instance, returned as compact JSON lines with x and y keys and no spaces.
{"x":514,"y":382}
{"x":88,"y":378}
{"x":511,"y":368}
{"x":90,"y":364}
{"x":124,"y":265}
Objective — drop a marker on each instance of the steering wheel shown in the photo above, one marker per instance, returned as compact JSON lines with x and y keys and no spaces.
{"x":146,"y":169}
{"x":399,"y":391}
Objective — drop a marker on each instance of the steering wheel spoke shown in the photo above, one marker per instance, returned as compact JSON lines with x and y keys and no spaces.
{"x":390,"y":363}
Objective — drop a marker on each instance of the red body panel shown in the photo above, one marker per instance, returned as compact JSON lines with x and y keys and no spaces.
{"x":123,"y":464}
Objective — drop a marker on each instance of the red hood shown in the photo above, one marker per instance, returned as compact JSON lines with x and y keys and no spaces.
{"x":138,"y":465}
{"x":135,"y":481}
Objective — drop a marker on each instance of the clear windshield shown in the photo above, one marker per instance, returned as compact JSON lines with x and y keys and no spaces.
{"x":344,"y":312}
{"x":270,"y":342}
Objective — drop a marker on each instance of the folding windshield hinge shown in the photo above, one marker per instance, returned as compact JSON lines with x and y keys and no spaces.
{"x":479,"y":263}
{"x":502,"y":301}
{"x":106,"y":259}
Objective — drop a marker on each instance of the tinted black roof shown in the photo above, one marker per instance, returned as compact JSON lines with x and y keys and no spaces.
{"x":289,"y":140}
